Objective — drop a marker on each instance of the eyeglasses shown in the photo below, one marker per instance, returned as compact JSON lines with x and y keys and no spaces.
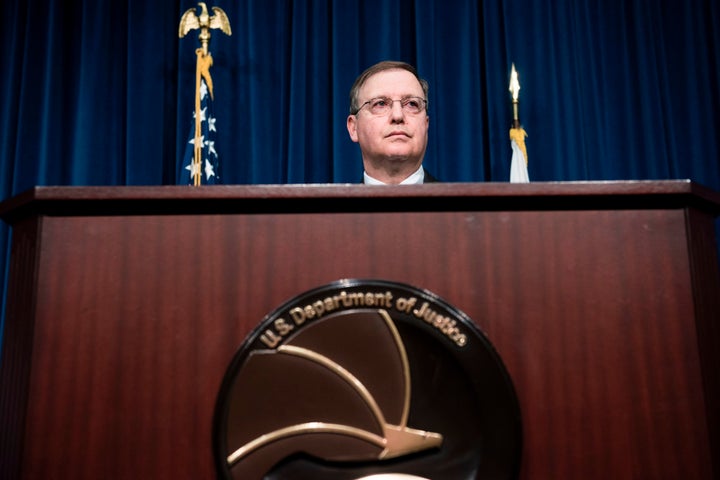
{"x":383,"y":105}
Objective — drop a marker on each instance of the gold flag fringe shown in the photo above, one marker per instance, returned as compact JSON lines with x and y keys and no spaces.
{"x":519,"y":134}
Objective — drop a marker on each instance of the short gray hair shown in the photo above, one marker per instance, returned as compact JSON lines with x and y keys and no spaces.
{"x":381,"y":67}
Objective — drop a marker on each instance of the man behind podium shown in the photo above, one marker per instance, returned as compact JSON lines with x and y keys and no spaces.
{"x":388,"y":119}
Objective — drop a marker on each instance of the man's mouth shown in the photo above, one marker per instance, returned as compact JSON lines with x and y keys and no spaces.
{"x":398,"y":134}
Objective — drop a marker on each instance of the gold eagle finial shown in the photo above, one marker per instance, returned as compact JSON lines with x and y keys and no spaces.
{"x":191,"y":21}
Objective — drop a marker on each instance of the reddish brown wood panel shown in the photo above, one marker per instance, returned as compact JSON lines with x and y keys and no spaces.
{"x":15,"y":365}
{"x":592,"y":312}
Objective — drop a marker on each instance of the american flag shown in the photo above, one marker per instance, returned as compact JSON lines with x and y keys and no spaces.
{"x":209,"y":167}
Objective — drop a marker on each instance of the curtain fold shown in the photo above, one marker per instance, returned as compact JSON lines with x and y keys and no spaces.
{"x":97,"y":92}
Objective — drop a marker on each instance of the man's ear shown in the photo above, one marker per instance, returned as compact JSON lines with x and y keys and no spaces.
{"x":352,"y":127}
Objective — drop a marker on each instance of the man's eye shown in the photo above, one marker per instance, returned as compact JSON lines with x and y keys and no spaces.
{"x":412,"y":103}
{"x":380,"y":102}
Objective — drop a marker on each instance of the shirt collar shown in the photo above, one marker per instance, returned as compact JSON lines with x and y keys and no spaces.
{"x":416,"y":178}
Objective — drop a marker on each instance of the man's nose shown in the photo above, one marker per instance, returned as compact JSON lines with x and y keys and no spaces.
{"x":397,"y":113}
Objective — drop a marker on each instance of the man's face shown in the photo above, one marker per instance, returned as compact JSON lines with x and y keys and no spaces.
{"x":396,"y":136}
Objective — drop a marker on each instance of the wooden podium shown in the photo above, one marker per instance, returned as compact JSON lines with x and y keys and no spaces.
{"x":125,"y":305}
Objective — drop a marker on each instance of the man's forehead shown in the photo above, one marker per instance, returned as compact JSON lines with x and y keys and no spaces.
{"x":392,"y":82}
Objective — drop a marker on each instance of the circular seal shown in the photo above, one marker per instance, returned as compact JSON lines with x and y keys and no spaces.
{"x":367,"y":379}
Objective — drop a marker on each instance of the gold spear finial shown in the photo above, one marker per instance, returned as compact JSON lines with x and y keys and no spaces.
{"x":515,"y":91}
{"x":514,"y":83}
{"x":191,"y":21}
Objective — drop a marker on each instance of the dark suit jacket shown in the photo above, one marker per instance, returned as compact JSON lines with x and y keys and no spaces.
{"x":429,"y":178}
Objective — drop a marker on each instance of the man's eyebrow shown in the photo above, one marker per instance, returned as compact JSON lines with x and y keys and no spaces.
{"x":408,"y":95}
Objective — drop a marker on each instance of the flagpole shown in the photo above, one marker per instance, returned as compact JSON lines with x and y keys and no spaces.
{"x":518,"y":166}
{"x":191,"y":21}
{"x":197,"y":142}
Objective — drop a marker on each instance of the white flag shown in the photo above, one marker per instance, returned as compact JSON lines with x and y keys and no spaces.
{"x":518,"y":165}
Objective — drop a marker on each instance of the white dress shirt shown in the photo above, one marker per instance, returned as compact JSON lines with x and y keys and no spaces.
{"x":416,"y":178}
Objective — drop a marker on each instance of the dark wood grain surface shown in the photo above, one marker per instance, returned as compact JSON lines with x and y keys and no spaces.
{"x":133,"y":314}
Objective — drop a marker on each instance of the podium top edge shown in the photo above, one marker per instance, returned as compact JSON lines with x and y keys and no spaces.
{"x":144,"y":200}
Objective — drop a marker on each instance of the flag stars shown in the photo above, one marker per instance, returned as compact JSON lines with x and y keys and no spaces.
{"x":201,"y":139}
{"x":202,"y":115}
{"x":210,"y":144}
{"x":194,"y":169}
{"x":209,"y":170}
{"x":203,"y":90}
{"x":201,"y":163}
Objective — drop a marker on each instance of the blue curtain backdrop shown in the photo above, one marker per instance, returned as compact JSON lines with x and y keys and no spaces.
{"x":100,"y":92}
